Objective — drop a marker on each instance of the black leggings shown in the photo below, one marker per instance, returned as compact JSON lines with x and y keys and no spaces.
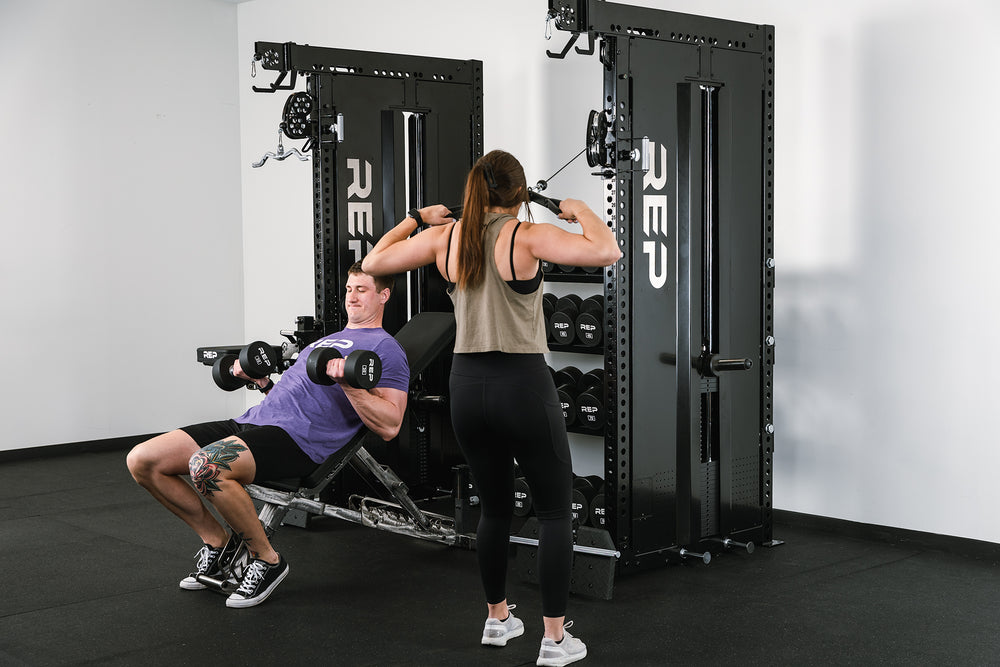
{"x":505,"y":406}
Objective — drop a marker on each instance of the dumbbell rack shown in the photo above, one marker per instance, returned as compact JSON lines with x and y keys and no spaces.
{"x":688,"y":330}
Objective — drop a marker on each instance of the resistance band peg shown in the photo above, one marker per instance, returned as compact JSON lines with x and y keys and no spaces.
{"x":733,"y":544}
{"x":685,"y":554}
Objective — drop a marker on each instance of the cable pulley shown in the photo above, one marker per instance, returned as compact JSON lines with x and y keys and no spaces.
{"x":597,"y":145}
{"x":295,"y":115}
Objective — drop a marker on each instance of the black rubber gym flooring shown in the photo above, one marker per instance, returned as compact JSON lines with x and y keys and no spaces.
{"x":90,"y":565}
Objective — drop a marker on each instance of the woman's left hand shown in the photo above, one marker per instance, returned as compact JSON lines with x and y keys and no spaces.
{"x":436,"y":214}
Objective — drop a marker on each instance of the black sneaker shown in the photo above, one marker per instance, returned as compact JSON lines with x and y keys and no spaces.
{"x":210,"y":561}
{"x":258,"y":581}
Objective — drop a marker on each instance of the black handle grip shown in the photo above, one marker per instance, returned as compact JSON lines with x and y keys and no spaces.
{"x":547,"y":202}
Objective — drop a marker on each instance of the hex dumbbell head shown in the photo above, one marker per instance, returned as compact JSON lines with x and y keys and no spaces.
{"x":522,"y":497}
{"x":549,"y":304}
{"x":258,"y":359}
{"x":567,"y":399}
{"x":562,"y":324}
{"x":597,"y":517}
{"x":590,"y":400}
{"x":592,"y":379}
{"x":568,"y":375}
{"x":362,"y":369}
{"x":590,"y":321}
{"x":316,"y":364}
{"x":222,"y":373}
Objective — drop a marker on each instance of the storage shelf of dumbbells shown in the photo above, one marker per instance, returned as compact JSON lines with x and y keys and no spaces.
{"x":574,"y":323}
{"x":587,"y":502}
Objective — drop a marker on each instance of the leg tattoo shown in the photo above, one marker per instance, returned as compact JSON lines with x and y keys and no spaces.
{"x":207,"y":464}
{"x":248,"y":541}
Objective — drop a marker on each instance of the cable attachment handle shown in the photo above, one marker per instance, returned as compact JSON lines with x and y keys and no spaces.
{"x":281,"y":153}
{"x":547,"y":202}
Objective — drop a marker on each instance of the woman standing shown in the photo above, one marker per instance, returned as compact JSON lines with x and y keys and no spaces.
{"x":504,"y":404}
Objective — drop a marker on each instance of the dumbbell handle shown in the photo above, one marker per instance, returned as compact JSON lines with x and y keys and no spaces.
{"x":266,"y":387}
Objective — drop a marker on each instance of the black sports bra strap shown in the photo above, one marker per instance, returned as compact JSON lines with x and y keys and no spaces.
{"x":447,"y":254}
{"x":513,"y":275}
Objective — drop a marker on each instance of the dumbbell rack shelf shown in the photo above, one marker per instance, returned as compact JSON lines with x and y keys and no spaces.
{"x":561,"y":277}
{"x":576,"y":348}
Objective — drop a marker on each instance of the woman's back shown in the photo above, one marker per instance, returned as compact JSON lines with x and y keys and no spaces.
{"x":497,"y":314}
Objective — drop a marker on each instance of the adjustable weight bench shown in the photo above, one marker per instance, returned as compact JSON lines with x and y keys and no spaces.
{"x":423,"y":339}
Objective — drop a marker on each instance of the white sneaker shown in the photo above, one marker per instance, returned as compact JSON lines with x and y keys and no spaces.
{"x":570,"y":649}
{"x":497,"y":632}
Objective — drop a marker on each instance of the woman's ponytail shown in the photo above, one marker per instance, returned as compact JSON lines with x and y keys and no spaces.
{"x":497,"y":179}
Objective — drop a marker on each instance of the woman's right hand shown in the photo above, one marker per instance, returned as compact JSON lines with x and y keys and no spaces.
{"x":571,"y":209}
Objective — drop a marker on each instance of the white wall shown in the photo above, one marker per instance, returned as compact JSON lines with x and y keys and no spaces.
{"x":120,"y":213}
{"x":128,"y":128}
{"x":885,"y":161}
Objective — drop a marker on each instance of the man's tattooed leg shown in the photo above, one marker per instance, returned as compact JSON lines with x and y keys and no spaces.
{"x":248,"y":542}
{"x":208,"y":462}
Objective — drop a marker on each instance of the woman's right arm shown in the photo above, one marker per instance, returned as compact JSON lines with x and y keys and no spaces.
{"x":595,"y":246}
{"x":397,"y":251}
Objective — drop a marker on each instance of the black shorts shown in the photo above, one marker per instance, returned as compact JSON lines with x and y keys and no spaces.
{"x":275,"y":452}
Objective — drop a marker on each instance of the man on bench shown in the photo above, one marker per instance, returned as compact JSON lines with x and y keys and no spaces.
{"x":294,"y":429}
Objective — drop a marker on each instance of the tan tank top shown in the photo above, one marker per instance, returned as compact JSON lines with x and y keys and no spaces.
{"x":492,"y":316}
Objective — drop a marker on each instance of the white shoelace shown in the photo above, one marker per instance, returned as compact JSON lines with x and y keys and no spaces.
{"x":253,"y":575}
{"x":204,"y":557}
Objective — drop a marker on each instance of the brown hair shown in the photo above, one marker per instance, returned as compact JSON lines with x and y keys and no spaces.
{"x":381,"y":282}
{"x":497,"y":179}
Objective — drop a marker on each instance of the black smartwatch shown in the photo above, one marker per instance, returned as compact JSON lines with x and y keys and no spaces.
{"x":415,"y":214}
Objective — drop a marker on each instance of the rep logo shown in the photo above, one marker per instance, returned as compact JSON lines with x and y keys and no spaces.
{"x":654,"y":217}
{"x":359,"y":206}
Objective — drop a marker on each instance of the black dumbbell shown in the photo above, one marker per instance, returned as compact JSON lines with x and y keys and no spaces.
{"x":222,"y":373}
{"x":548,"y":307}
{"x":590,"y":399}
{"x":562,"y":324}
{"x":579,"y":505}
{"x":522,"y":497}
{"x":598,"y":518}
{"x":258,"y":359}
{"x":548,"y":267}
{"x":566,"y":380}
{"x":588,"y":488}
{"x":589,"y":323}
{"x":362,"y":368}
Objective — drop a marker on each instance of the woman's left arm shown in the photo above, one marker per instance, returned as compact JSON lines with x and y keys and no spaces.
{"x":397,"y":251}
